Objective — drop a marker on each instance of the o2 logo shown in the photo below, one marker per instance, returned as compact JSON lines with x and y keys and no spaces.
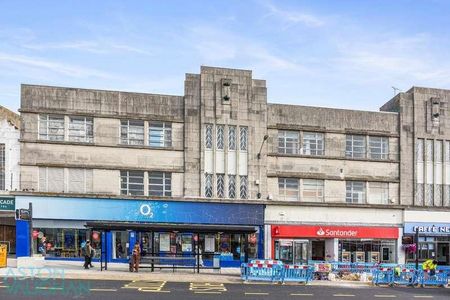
{"x":146,"y":210}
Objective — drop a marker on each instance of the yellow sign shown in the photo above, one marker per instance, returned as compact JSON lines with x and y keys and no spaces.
{"x":3,"y":253}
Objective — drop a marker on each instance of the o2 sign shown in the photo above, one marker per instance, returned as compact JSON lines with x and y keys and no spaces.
{"x":146,"y":210}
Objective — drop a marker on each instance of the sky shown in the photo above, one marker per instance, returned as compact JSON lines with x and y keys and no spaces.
{"x":335,"y":53}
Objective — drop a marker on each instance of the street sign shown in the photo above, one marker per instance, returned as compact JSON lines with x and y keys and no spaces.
{"x":23,"y":214}
{"x":7,"y":204}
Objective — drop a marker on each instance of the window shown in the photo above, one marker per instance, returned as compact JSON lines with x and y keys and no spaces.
{"x":355,"y":192}
{"x":51,"y":128}
{"x":243,"y":140}
{"x":220,"y":185}
{"x":160,"y":184}
{"x":313,"y":143}
{"x":288,"y":189}
{"x":132,"y":183}
{"x":2,"y":168}
{"x":160,"y":134}
{"x":220,"y":137}
{"x":312,"y":190}
{"x":243,"y":187}
{"x":79,"y":180}
{"x":51,"y":180}
{"x":378,"y":193}
{"x":231,"y":186}
{"x":81,"y":129}
{"x":288,"y":142}
{"x":355,"y":146}
{"x":379,"y":147}
{"x":208,"y":185}
{"x":132,"y":132}
{"x":209,"y":136}
{"x":232,"y":138}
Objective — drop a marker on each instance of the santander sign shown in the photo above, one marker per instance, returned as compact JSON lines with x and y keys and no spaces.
{"x":323,"y":231}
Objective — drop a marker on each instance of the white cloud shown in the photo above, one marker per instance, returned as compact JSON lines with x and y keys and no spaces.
{"x":7,"y":59}
{"x":293,"y":17}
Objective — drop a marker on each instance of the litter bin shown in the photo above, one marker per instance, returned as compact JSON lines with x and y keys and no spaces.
{"x":3,"y":255}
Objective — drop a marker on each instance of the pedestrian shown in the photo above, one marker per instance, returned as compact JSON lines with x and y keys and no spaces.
{"x":91,"y":256}
{"x":135,"y":258}
{"x":86,"y":251}
{"x":430,"y":266}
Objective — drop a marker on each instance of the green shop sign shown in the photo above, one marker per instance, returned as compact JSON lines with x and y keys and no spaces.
{"x":8,"y":204}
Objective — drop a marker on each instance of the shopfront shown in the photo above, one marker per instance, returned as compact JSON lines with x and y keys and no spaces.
{"x":434,"y":241}
{"x":59,"y":228}
{"x":299,"y":244}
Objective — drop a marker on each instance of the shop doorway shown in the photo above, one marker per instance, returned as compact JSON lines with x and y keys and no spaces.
{"x":292,"y":251}
{"x":443,"y":253}
{"x":318,"y":250}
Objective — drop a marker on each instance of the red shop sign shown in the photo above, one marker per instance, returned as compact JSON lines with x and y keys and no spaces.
{"x":348,"y":232}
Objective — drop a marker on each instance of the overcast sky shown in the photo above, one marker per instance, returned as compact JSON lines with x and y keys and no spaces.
{"x":345,"y":54}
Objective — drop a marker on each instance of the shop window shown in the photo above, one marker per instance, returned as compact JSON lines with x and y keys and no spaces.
{"x":355,"y":146}
{"x":57,"y":242}
{"x":220,"y":137}
{"x":378,"y":147}
{"x":313,"y":143}
{"x":232,"y":186}
{"x":243,"y":139}
{"x":132,"y":183}
{"x":121,"y":243}
{"x":220,"y":188}
{"x":231,"y":138}
{"x":132,"y":132}
{"x":208,"y":185}
{"x":378,"y":193}
{"x":208,"y":136}
{"x":288,"y":189}
{"x":160,"y":184}
{"x":312,"y":190}
{"x":51,"y":128}
{"x":160,"y":134}
{"x":288,"y":142}
{"x":243,"y":187}
{"x":2,"y":167}
{"x":81,"y":129}
{"x":367,"y":251}
{"x":355,"y":192}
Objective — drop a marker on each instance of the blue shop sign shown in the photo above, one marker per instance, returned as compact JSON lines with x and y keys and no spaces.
{"x":62,"y":208}
{"x":428,"y":228}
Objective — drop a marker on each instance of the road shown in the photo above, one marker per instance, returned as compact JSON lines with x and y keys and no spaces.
{"x":107,"y":289}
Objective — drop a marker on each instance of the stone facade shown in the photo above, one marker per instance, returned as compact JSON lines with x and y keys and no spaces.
{"x":9,"y":139}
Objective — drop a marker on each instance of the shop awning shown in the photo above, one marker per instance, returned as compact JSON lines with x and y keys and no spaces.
{"x":164,"y":227}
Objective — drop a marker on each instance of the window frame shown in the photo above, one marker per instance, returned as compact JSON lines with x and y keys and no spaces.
{"x":87,"y":135}
{"x":161,"y":131}
{"x":284,"y":140}
{"x":2,"y":167}
{"x":318,"y":151}
{"x":165,"y":185}
{"x":318,"y":190}
{"x":125,"y":138}
{"x":350,"y":142}
{"x":47,"y":136}
{"x":383,"y":147}
{"x":127,"y":189}
{"x":350,"y":193}
{"x":384,"y":192}
{"x":285,"y":190}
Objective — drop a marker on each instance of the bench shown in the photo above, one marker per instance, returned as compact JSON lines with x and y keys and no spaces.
{"x":168,"y":262}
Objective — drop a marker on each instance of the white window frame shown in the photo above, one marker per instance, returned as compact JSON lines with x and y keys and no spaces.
{"x":160,"y":131}
{"x":220,"y":185}
{"x":209,"y":190}
{"x":243,"y":138}
{"x":125,"y":175}
{"x":232,"y":186}
{"x":2,"y":167}
{"x":316,"y":186}
{"x":287,"y":191}
{"x":128,"y":134}
{"x":208,"y":136}
{"x":381,"y":145}
{"x":83,"y":134}
{"x":164,"y":188}
{"x":45,"y":128}
{"x":232,"y":138}
{"x":378,"y":193}
{"x":351,"y":145}
{"x":313,"y":143}
{"x":352,"y":193}
{"x":220,"y":137}
{"x":288,"y":142}
{"x":243,"y":187}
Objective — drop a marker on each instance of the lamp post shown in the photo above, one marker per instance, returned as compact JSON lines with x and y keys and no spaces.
{"x":258,"y":156}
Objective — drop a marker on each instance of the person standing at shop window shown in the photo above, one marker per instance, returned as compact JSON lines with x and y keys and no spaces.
{"x":135,"y":258}
{"x":87,"y":251}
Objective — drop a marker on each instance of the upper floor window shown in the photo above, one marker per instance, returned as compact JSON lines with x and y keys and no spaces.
{"x":132,"y":132}
{"x":51,"y":128}
{"x":355,"y":146}
{"x":312,"y":190}
{"x":231,"y":186}
{"x":2,"y":168}
{"x":379,"y":147}
{"x":132,"y":183}
{"x":160,"y":134}
{"x":243,"y":140}
{"x":355,"y":192}
{"x":288,"y":142}
{"x":231,"y":137}
{"x":243,"y":187}
{"x":160,"y":184}
{"x":313,"y":143}
{"x":208,"y":185}
{"x":288,"y":188}
{"x":209,"y":136}
{"x":81,"y":129}
{"x":220,"y":137}
{"x":378,"y":193}
{"x":220,"y":188}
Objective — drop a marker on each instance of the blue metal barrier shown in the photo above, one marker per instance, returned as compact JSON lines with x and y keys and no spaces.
{"x":383,"y":276}
{"x":261,"y":272}
{"x":404,"y":276}
{"x":297,"y":273}
{"x":440,"y":278}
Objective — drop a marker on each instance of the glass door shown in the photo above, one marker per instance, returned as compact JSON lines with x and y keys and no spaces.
{"x":284,"y":250}
{"x":301,"y":252}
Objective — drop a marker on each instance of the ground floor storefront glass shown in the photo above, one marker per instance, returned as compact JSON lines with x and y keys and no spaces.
{"x":367,"y":251}
{"x":431,"y":247}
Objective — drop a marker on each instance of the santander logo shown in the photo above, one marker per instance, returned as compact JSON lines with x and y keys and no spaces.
{"x":336,"y":232}
{"x":320,"y":232}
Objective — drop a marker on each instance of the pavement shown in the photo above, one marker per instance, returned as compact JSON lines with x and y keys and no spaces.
{"x":27,"y":288}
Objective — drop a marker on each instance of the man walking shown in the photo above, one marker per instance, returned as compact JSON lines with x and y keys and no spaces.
{"x":87,"y":251}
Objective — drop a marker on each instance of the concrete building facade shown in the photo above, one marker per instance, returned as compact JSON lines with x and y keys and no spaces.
{"x":297,"y":183}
